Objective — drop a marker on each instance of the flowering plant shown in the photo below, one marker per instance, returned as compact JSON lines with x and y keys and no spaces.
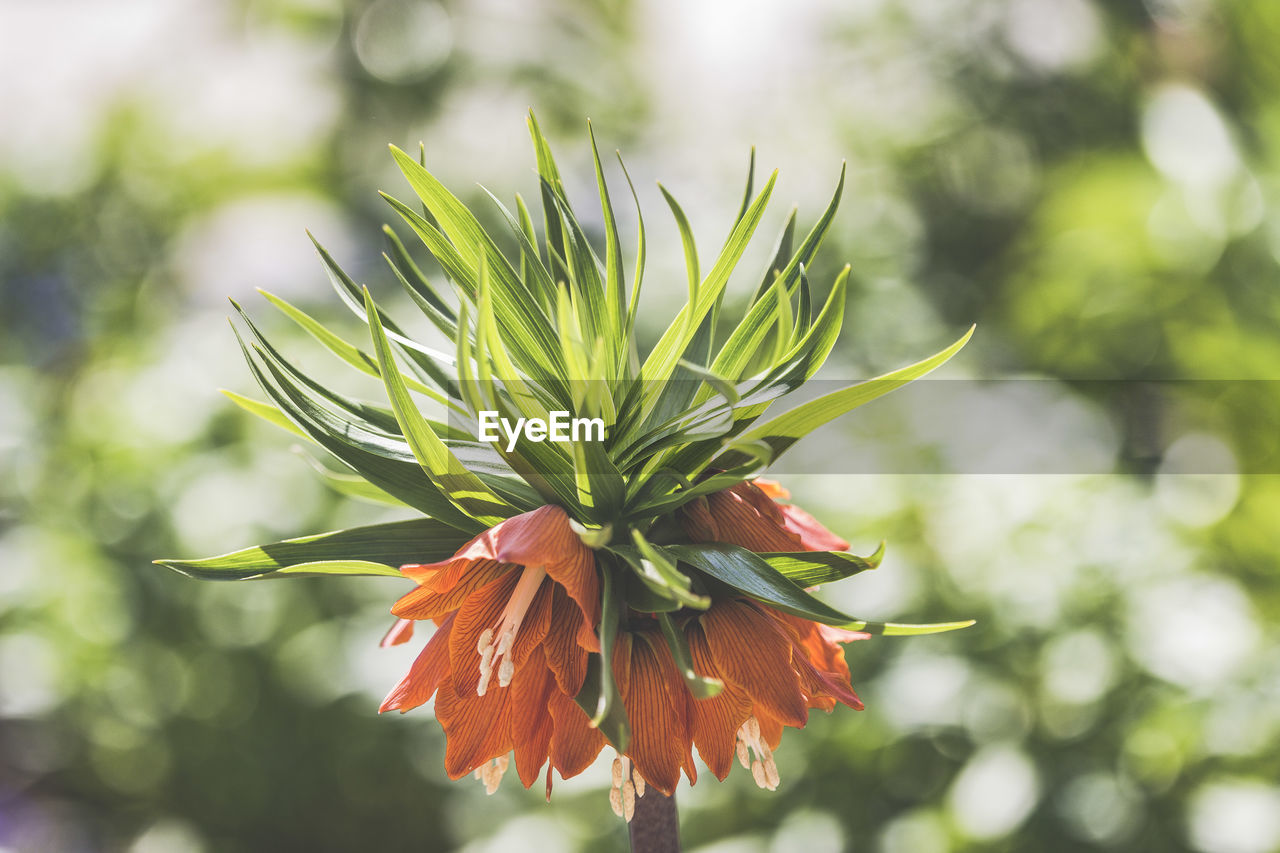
{"x":640,"y":588}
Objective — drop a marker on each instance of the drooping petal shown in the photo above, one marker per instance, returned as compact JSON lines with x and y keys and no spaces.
{"x":424,"y":602}
{"x":714,"y":721}
{"x":824,"y":688}
{"x":478,"y":613}
{"x":771,"y":488}
{"x":770,"y":727}
{"x":429,"y":668}
{"x":399,"y":633}
{"x":574,"y":743}
{"x":542,"y":537}
{"x":654,"y":696}
{"x":813,"y":536}
{"x":741,"y":515}
{"x":565,"y":656}
{"x":536,"y":622}
{"x":531,"y":722}
{"x":753,"y":653}
{"x":476,"y":728}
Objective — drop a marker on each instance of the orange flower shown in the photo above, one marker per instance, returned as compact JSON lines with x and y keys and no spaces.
{"x":747,"y":515}
{"x":775,"y":667}
{"x":516,"y":610}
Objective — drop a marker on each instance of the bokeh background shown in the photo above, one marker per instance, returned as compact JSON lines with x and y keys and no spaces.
{"x":1096,"y":184}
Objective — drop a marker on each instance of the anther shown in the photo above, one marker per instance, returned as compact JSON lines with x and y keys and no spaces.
{"x":628,"y":800}
{"x":615,"y":801}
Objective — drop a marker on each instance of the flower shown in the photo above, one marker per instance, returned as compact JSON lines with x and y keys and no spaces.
{"x":774,"y":668}
{"x":747,"y":515}
{"x":516,"y":610}
{"x":519,"y":634}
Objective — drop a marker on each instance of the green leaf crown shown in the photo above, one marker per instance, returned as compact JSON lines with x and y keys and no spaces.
{"x":549,"y":328}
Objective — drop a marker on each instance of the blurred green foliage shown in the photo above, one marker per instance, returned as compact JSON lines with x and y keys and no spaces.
{"x":1095,"y":184}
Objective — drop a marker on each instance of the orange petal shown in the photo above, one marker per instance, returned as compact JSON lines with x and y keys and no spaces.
{"x":715,"y":721}
{"x":531,"y":723}
{"x":654,"y":697}
{"x":770,"y":728}
{"x":567,"y":659}
{"x":822,"y":685}
{"x":771,"y":488}
{"x":429,"y":668}
{"x":536,"y":622}
{"x":544,"y":538}
{"x":480,"y":611}
{"x":477,"y":728}
{"x":574,"y":743}
{"x":742,"y":515}
{"x":423,"y":602}
{"x":753,"y":653}
{"x":813,"y":536}
{"x":400,"y":632}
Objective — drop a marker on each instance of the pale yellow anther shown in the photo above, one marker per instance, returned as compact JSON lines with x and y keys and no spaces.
{"x":628,"y":800}
{"x":506,"y":672}
{"x":639,"y":780}
{"x":491,"y":773}
{"x":617,"y":772}
{"x":615,"y":801}
{"x":771,"y":774}
{"x":743,"y":757}
{"x":486,"y":640}
{"x":758,"y":774}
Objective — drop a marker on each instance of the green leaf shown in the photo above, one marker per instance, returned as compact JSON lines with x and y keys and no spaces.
{"x":671,"y":346}
{"x":749,"y":573}
{"x":786,"y":429}
{"x":633,"y":358}
{"x":615,"y":296}
{"x":599,"y":696}
{"x":266,"y":411}
{"x":700,"y":686}
{"x":464,"y":488}
{"x":378,"y":549}
{"x":901,"y":629}
{"x":377,"y":458}
{"x":812,"y":568}
{"x":686,"y":240}
{"x":658,"y":572}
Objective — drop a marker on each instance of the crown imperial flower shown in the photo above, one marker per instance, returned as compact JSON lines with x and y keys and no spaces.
{"x":637,"y":587}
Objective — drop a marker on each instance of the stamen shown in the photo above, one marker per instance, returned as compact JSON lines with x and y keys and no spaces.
{"x":764,"y":770}
{"x":499,"y":653}
{"x":628,"y":800}
{"x":771,"y":773}
{"x":615,"y":801}
{"x":491,"y":772}
{"x":617,"y":772}
{"x":639,"y":780}
{"x":758,"y":774}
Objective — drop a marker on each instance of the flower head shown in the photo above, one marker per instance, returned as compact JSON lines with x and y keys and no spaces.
{"x":516,"y":609}
{"x":633,"y":587}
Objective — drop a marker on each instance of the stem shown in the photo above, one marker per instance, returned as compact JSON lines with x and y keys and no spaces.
{"x":654,"y":827}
